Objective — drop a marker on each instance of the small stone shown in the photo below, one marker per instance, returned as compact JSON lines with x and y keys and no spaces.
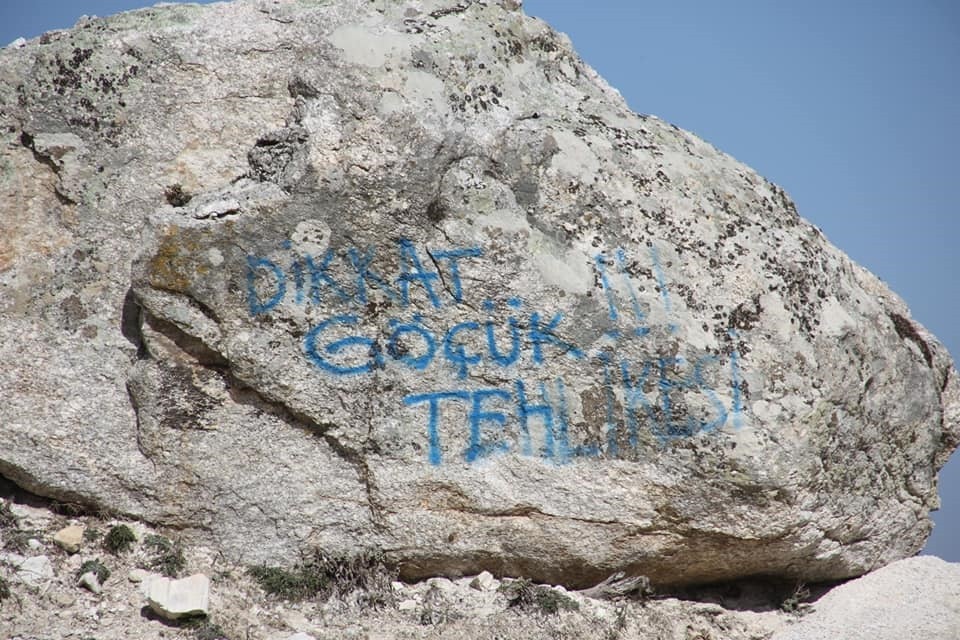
{"x":138,"y":575}
{"x":485,"y":582}
{"x":69,"y":538}
{"x":295,"y":620}
{"x":175,"y":599}
{"x":301,"y":636}
{"x":90,"y":581}
{"x":61,"y":599}
{"x":603,"y":613}
{"x":407,"y":605}
{"x":442,"y":584}
{"x":35,"y":571}
{"x":34,"y":544}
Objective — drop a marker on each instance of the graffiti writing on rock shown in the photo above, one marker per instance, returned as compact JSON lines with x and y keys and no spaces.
{"x":433,"y":326}
{"x":308,"y":277}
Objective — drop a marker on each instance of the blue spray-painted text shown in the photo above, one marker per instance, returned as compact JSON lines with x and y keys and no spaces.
{"x":530,"y":413}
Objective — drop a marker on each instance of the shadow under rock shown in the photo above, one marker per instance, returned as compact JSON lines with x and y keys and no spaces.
{"x":759,"y":595}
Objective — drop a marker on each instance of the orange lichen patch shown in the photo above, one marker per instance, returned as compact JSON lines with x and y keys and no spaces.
{"x":177,"y":262}
{"x":33,"y":222}
{"x":7,"y":253}
{"x":171,"y":265}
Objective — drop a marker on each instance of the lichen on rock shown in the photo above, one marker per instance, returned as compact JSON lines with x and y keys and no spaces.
{"x":426,"y":285}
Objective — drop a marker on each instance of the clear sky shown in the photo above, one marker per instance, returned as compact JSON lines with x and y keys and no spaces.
{"x":852,"y":107}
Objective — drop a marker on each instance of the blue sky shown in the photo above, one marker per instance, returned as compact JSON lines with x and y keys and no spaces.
{"x":852,"y":107}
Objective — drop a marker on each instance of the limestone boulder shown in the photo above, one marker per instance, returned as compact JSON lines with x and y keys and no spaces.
{"x":411,"y":276}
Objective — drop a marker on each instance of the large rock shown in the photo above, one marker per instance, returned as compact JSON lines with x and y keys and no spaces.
{"x":411,"y":276}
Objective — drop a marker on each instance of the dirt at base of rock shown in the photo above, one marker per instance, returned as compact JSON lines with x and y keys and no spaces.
{"x":55,"y":606}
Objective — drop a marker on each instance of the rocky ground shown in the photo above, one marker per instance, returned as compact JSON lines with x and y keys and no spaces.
{"x":50,"y":556}
{"x":41,"y":597}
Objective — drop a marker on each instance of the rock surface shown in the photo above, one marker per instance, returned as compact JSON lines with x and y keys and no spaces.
{"x":914,"y":598}
{"x":69,"y":538}
{"x":174,"y":599}
{"x":411,"y":276}
{"x":485,"y":582}
{"x":34,"y":571}
{"x":90,"y":581}
{"x":58,"y":608}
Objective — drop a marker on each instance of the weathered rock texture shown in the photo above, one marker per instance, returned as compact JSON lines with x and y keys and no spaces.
{"x":182,"y":598}
{"x":409,"y":275}
{"x":914,"y":598}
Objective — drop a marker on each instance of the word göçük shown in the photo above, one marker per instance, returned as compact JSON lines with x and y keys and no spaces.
{"x":410,"y":341}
